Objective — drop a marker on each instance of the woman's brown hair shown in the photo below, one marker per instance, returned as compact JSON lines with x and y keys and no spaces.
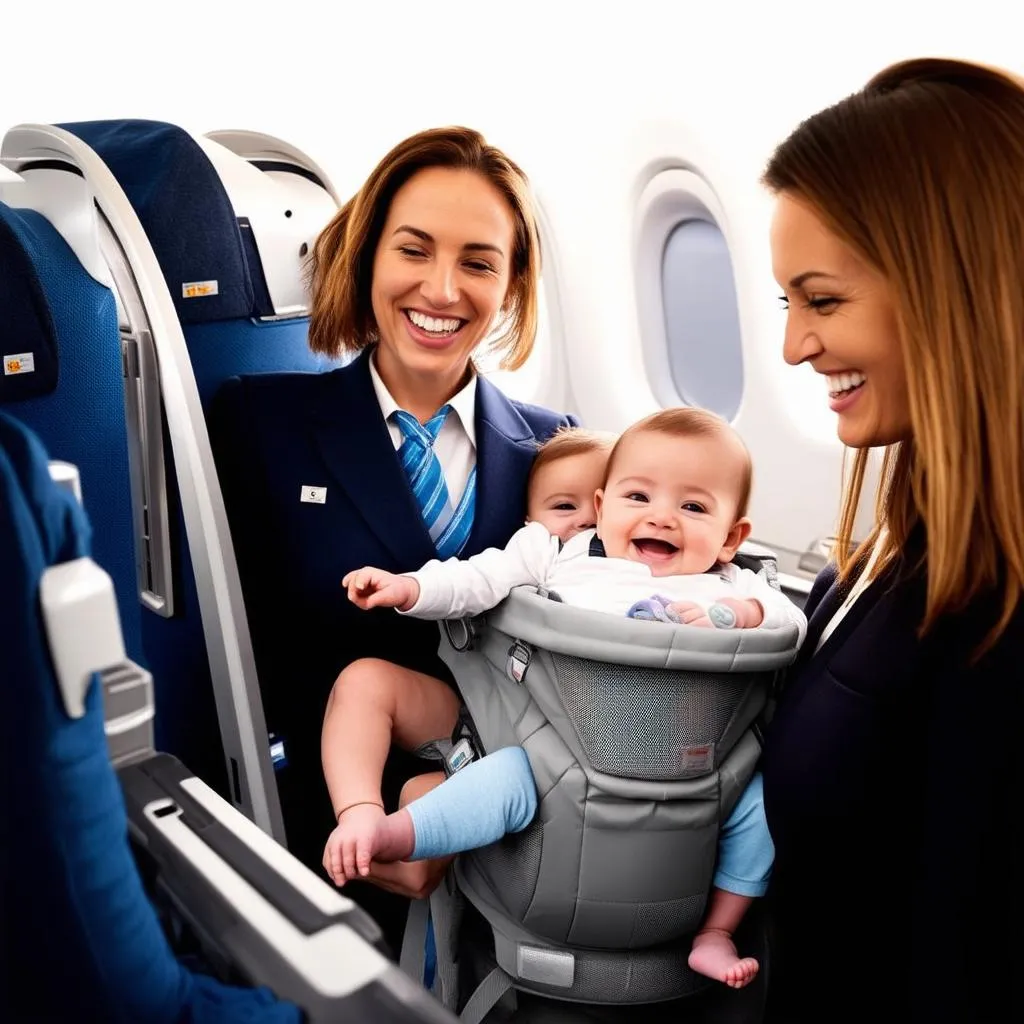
{"x":341,"y":263}
{"x":922,"y":173}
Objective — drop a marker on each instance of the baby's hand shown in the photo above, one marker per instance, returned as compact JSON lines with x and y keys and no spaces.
{"x":374,"y":588}
{"x":351,"y":846}
{"x":691,"y":614}
{"x":749,"y":613}
{"x":727,"y":613}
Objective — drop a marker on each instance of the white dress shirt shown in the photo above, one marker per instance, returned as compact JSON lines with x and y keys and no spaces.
{"x":455,"y":446}
{"x":454,"y":588}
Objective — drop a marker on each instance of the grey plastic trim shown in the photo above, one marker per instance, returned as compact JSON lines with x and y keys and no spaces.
{"x":128,"y":711}
{"x":144,"y":415}
{"x":554,"y":626}
{"x":335,"y":961}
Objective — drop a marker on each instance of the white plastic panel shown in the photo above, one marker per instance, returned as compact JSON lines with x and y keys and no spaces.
{"x":286,"y":212}
{"x":67,"y":476}
{"x":82,"y":626}
{"x":63,"y":198}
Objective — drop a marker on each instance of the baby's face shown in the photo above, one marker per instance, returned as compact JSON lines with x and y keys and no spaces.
{"x":670,"y":502}
{"x":562,"y":493}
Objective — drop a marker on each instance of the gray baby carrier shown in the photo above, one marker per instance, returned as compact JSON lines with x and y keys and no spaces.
{"x":641,"y":737}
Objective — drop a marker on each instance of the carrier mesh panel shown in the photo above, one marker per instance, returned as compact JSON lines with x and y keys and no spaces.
{"x":512,"y":867}
{"x":659,"y":922}
{"x":647,"y":723}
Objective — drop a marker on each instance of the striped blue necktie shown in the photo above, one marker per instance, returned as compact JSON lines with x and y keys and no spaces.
{"x":449,"y":528}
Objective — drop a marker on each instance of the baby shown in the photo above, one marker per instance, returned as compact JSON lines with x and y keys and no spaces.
{"x":651,"y":527}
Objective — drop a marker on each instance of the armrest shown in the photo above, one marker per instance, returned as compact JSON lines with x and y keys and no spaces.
{"x":261,"y":909}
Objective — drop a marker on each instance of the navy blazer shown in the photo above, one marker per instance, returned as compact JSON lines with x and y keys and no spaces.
{"x":892,"y":777}
{"x":273,"y":435}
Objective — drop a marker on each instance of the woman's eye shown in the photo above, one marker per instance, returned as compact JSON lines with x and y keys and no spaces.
{"x":825,"y":304}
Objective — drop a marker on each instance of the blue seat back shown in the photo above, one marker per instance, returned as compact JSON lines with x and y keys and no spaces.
{"x":212,"y":269}
{"x":53,"y":312}
{"x":80,"y":939}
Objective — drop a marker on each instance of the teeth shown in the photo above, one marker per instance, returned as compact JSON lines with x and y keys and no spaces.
{"x":434,"y":324}
{"x":840,"y":382}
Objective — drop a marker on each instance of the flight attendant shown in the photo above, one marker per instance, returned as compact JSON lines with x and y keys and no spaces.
{"x":436,"y":255}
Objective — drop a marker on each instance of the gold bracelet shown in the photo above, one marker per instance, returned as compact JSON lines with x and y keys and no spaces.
{"x":357,"y":803}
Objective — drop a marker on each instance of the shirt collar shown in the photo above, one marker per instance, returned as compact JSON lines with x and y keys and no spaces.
{"x":463,"y":402}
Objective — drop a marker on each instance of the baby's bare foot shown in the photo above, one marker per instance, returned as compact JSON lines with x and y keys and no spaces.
{"x":714,"y":955}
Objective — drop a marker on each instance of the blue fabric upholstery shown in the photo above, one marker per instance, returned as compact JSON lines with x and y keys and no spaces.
{"x":81,"y":941}
{"x":184,"y":210}
{"x":29,"y":349}
{"x":83,"y":420}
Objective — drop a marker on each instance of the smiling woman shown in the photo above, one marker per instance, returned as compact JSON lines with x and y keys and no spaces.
{"x":898,"y":240}
{"x":418,"y":456}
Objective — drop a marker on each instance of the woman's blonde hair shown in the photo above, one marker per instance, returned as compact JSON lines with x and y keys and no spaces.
{"x":340,"y":267}
{"x":922,"y":173}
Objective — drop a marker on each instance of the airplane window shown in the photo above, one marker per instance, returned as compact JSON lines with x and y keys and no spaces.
{"x":702,"y":325}
{"x":686,"y":294}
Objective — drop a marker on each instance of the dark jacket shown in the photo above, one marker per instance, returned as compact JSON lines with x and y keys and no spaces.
{"x":892,"y":775}
{"x":273,"y":435}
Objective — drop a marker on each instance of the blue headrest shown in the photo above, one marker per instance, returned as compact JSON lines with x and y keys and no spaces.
{"x":186,"y":214}
{"x":28,"y":337}
{"x":80,"y":940}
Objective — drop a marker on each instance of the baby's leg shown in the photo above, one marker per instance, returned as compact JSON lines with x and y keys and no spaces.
{"x":475,"y":807}
{"x":374,"y":703}
{"x":745,"y":855}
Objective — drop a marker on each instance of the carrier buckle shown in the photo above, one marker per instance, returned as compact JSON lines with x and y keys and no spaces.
{"x":466,"y":745}
{"x":460,"y":633}
{"x":458,"y":757}
{"x":518,"y":661}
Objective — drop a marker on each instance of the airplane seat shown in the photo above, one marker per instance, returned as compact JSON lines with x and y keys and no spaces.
{"x":204,"y":240}
{"x":229,"y":236}
{"x":80,"y":939}
{"x":81,"y":942}
{"x":62,"y":372}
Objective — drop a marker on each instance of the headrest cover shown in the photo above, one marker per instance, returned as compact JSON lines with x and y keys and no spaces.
{"x":28,"y":338}
{"x":185,"y":212}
